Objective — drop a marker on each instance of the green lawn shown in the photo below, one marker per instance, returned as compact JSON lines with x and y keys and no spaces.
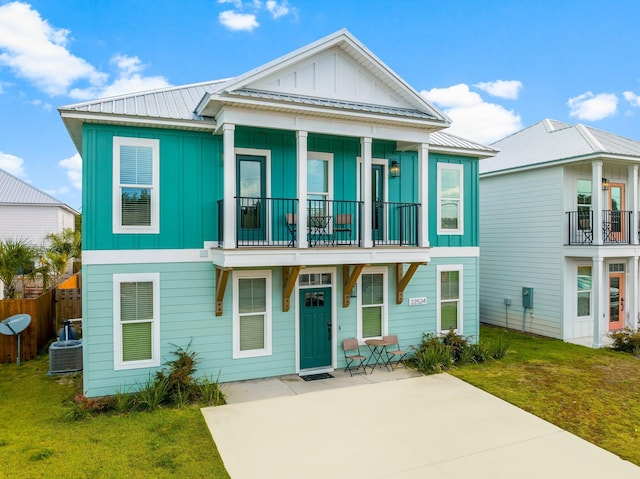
{"x":594,"y":394}
{"x":36,"y":440}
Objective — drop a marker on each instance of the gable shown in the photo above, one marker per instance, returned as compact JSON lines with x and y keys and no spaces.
{"x":334,"y":74}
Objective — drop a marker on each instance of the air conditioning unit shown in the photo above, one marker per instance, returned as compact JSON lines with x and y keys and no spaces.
{"x":65,"y":357}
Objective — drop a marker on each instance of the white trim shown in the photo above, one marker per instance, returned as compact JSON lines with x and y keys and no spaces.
{"x":334,"y":315}
{"x":266,"y":154}
{"x":384,"y":270}
{"x":385,"y":166}
{"x":460,"y":230}
{"x":118,"y":363}
{"x":237,"y":354}
{"x":328,"y":157}
{"x":145,"y":256}
{"x":154,"y":227}
{"x":454,"y":252}
{"x":450,"y":267}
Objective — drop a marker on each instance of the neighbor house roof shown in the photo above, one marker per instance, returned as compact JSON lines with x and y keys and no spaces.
{"x":16,"y":192}
{"x":552,"y":141}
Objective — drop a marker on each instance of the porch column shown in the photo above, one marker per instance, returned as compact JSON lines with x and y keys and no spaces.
{"x":634,"y":307}
{"x":632,"y":201}
{"x":598,"y":288}
{"x":365,"y":145}
{"x":229,"y":189}
{"x":423,"y":194}
{"x":301,"y":138}
{"x":596,"y":201}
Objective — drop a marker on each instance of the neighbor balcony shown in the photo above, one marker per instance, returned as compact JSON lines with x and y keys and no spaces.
{"x":616,"y":228}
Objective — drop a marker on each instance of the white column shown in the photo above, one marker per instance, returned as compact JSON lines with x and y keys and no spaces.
{"x":301,"y":137}
{"x":423,"y":194}
{"x":632,"y":202}
{"x":229,"y":171}
{"x":631,"y":300}
{"x":598,"y":288}
{"x":596,"y":201}
{"x":365,"y":145}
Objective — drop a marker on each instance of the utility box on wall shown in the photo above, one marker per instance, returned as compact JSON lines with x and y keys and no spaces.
{"x":527,"y":297}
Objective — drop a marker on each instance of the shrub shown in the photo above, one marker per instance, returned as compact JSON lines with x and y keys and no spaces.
{"x":152,"y":394}
{"x":498,"y":349}
{"x":626,"y":340}
{"x":432,"y":357}
{"x":179,"y":377}
{"x":210,"y":392}
{"x":83,"y":407}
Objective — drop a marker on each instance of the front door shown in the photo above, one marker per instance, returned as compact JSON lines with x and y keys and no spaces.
{"x":315,"y":328}
{"x":616,"y":301}
{"x":616,"y":223}
{"x":377,"y":201}
{"x":251,"y":203}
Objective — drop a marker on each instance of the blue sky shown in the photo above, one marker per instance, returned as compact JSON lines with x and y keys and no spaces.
{"x":493,"y":66}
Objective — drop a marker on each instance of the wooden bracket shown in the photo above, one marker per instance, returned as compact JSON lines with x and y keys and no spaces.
{"x":402,"y":279}
{"x":349,"y":279}
{"x":222,"y":275}
{"x":289,"y":277}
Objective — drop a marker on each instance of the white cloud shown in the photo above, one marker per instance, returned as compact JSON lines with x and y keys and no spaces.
{"x":593,"y":107}
{"x":12,"y":165}
{"x":235,"y":3}
{"x":73,"y":165}
{"x":44,"y":105}
{"x":129,"y":79}
{"x":471,"y":116}
{"x":277,"y":10}
{"x":238,"y":21}
{"x":36,"y":51}
{"x":508,"y":89}
{"x":632,"y":98}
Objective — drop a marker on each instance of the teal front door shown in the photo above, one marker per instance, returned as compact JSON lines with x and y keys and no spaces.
{"x":251,"y":201}
{"x":377,"y":201}
{"x":315,"y":328}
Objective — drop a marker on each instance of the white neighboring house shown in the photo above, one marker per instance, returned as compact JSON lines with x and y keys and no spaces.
{"x":29,"y":213}
{"x":559,"y":207}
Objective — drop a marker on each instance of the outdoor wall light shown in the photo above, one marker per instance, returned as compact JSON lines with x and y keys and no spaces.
{"x":394,"y":171}
{"x":605,"y":184}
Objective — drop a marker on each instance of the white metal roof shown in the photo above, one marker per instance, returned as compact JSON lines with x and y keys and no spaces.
{"x":14,"y":191}
{"x":550,"y":141}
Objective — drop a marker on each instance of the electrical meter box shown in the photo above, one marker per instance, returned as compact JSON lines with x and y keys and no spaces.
{"x":527,"y":297}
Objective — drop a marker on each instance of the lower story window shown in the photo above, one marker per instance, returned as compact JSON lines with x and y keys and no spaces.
{"x":252,"y":314}
{"x":372,"y":322}
{"x":584,"y":290}
{"x":449,"y":312}
{"x":136,"y":306}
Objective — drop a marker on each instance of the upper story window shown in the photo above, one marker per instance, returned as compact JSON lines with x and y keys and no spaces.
{"x":319,"y":182}
{"x":584,"y":204}
{"x":136,"y":202}
{"x":450,"y":199}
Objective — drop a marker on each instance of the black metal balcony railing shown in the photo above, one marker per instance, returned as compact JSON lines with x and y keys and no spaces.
{"x":395,"y":223}
{"x":334,"y":222}
{"x":616,"y":228}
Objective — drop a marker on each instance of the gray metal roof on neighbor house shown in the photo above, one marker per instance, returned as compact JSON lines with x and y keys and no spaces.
{"x":447,"y":140}
{"x":14,"y":191}
{"x":550,"y":141}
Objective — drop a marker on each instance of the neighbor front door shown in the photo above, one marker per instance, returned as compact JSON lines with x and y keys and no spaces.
{"x":616,"y":301}
{"x":315,"y":328}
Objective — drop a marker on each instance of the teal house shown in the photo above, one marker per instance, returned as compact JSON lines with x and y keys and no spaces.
{"x":266,"y":218}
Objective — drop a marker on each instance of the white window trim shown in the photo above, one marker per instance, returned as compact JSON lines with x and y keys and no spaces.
{"x":385,"y":297}
{"x":442,"y":269}
{"x":119,"y":363}
{"x":328,"y":157}
{"x":154,"y":144}
{"x":237,"y":353}
{"x":460,"y":169}
{"x":578,"y":291}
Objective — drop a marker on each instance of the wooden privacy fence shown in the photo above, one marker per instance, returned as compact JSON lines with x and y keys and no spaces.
{"x":39,"y":332}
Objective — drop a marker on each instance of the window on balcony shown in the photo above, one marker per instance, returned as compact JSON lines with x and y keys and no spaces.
{"x":584,"y":204}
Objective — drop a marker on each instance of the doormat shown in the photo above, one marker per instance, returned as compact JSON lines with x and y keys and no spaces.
{"x":315,"y":377}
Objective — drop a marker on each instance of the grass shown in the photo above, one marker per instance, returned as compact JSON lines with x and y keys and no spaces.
{"x":36,"y":440}
{"x":594,"y":394}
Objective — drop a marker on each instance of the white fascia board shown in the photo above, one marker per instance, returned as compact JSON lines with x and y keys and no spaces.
{"x":153,"y":122}
{"x":461,"y":152}
{"x":145,"y":256}
{"x":415,"y":133}
{"x":455,"y":252}
{"x":257,"y":257}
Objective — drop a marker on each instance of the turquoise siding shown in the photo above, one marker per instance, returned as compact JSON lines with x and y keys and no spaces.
{"x":187,"y":314}
{"x":190,"y":185}
{"x":471,"y":201}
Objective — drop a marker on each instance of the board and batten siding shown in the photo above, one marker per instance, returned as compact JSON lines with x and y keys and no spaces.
{"x":33,"y":222}
{"x":521,"y":245}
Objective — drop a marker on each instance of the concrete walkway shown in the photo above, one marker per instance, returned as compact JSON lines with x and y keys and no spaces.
{"x":432,"y":427}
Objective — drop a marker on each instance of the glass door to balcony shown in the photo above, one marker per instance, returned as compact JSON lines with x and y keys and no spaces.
{"x":377,"y":202}
{"x":251,"y":202}
{"x":615,"y":223}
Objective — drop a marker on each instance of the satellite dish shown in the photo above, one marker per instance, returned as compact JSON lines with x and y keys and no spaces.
{"x":14,"y":325}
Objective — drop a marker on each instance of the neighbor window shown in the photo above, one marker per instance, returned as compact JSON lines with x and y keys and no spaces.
{"x":136,"y":185}
{"x":136,"y":306}
{"x":372,"y":295}
{"x":450,"y":203}
{"x":449,"y":314}
{"x":252,"y":314}
{"x":584,"y":204}
{"x":584,"y":290}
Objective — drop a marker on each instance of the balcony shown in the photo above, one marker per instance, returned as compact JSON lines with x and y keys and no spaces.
{"x":616,"y":228}
{"x":273,"y":222}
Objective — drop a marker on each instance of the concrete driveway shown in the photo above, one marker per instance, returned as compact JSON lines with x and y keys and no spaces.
{"x":432,"y":427}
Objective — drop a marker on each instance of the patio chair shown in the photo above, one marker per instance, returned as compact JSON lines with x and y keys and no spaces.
{"x":342,"y":227}
{"x":394,"y":353}
{"x":352,"y":356}
{"x":292,"y":226}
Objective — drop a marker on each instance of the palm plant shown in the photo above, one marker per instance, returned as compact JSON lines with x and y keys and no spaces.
{"x":16,"y":257}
